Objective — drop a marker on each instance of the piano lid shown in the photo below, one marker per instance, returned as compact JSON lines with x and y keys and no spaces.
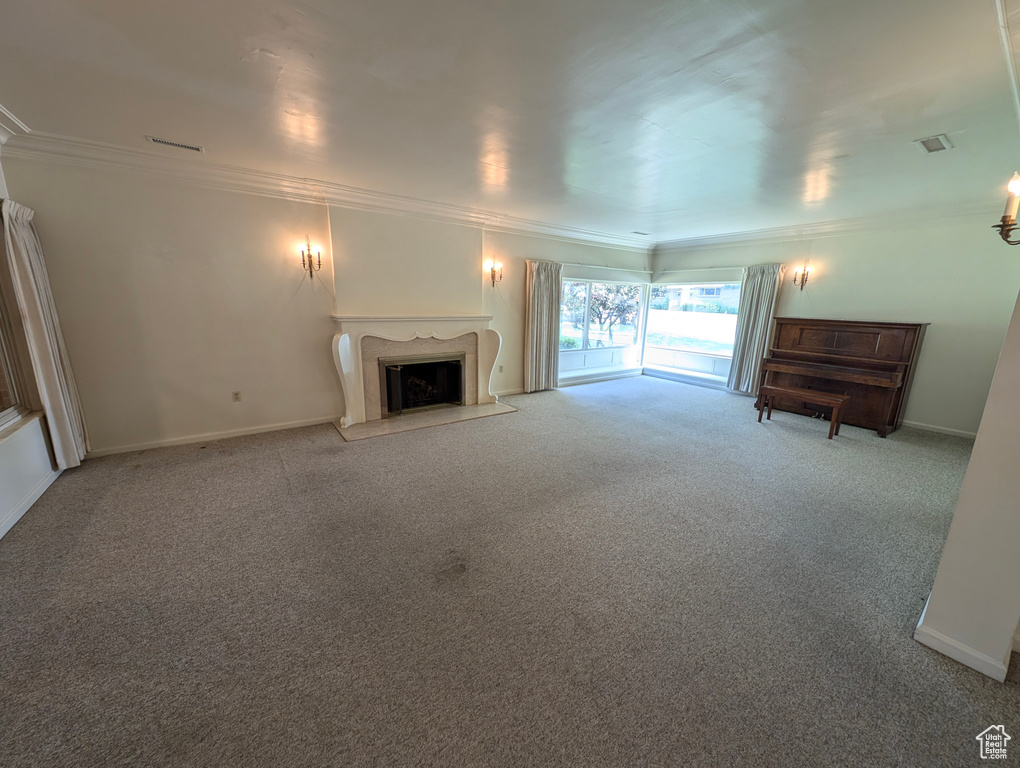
{"x":891,"y":342}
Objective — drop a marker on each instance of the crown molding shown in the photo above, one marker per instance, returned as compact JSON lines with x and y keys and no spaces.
{"x":44,"y":147}
{"x":1006,"y":38}
{"x":833,"y":228}
{"x":10,"y":125}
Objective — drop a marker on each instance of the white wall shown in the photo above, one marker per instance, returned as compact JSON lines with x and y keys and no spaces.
{"x":974,"y":605}
{"x":955,"y":274}
{"x":399,"y":265}
{"x":172,"y":297}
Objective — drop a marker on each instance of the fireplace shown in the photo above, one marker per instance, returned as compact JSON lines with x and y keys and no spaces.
{"x":361,"y":342}
{"x":420,"y":381}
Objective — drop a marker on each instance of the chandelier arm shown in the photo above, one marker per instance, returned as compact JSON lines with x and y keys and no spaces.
{"x":1005,"y":230}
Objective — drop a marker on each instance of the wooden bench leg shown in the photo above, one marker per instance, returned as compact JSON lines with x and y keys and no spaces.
{"x":837,"y":420}
{"x":770,"y":400}
{"x":761,"y":407}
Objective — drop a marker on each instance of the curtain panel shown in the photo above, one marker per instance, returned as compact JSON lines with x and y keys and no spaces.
{"x":542,"y":325}
{"x":48,"y":367}
{"x":758,"y":292}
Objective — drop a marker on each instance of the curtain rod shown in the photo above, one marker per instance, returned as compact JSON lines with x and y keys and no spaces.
{"x":697,"y":269}
{"x":596,"y":266}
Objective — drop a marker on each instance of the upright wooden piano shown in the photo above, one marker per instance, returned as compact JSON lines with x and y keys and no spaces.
{"x":873,"y":363}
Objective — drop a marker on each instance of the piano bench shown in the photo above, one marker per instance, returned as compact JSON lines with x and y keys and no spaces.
{"x":768,"y":392}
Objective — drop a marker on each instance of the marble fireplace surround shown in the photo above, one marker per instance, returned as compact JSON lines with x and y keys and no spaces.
{"x":361,"y":340}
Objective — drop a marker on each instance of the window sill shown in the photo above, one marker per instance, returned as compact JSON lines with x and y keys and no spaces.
{"x":11,"y":422}
{"x":599,"y":349}
{"x":591,"y":375}
{"x":676,"y":350}
{"x":686,"y":377}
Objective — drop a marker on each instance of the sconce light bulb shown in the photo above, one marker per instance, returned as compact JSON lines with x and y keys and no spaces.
{"x":308,"y":264}
{"x":800,"y":276}
{"x":1014,"y":184}
{"x":489,"y":264}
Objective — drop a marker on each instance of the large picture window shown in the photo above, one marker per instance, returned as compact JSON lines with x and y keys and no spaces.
{"x":685,"y":329}
{"x":7,"y":399}
{"x":599,"y":315}
{"x":9,"y":382}
{"x":699,"y":319}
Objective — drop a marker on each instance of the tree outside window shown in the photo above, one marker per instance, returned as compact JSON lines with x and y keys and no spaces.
{"x":595,"y":315}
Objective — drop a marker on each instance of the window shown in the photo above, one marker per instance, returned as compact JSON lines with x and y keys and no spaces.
{"x":573,"y":315}
{"x":10,"y":385}
{"x":699,"y":319}
{"x":599,"y":315}
{"x":7,"y":399}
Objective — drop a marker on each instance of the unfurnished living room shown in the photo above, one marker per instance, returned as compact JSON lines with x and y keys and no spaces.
{"x":501,"y":384}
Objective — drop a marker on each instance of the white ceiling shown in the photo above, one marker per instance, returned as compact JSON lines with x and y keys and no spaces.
{"x":681,"y":119}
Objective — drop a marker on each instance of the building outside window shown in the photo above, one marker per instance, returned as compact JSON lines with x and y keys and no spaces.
{"x":691,"y":328}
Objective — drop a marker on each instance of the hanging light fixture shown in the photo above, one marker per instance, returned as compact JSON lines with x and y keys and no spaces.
{"x":1008,"y":223}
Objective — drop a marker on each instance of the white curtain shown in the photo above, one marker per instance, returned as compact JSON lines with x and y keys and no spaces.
{"x":49,"y":368}
{"x":758,"y":292}
{"x":542,"y":325}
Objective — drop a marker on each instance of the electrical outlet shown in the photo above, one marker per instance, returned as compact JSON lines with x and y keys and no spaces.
{"x":235,"y":396}
{"x":501,"y":369}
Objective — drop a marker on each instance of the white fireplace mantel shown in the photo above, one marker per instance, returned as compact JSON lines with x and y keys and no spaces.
{"x":352,"y":329}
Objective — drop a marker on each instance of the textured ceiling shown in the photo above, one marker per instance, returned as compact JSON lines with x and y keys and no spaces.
{"x":679,"y":119}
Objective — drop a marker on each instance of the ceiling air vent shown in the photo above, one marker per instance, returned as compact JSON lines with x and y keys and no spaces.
{"x":933,"y":144}
{"x":177,"y":144}
{"x":635,"y":232}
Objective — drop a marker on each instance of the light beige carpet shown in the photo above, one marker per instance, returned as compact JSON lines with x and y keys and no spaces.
{"x":632,"y":573}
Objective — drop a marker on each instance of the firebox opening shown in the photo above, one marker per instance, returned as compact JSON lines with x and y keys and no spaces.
{"x":422,"y":381}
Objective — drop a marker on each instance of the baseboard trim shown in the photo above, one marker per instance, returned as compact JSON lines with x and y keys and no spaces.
{"x":940,"y":430}
{"x":26,"y":503}
{"x":210,"y":436}
{"x":508,"y":392}
{"x":983,"y":663}
{"x":592,"y":378}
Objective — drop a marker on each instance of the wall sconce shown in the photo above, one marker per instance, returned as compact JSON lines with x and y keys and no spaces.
{"x":1008,"y":223}
{"x":800,"y":276}
{"x":306,"y":259}
{"x":495,"y":270}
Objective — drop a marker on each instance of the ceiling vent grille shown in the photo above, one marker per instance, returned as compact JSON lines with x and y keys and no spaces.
{"x":934,"y":144}
{"x":177,"y":144}
{"x":635,"y":232}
